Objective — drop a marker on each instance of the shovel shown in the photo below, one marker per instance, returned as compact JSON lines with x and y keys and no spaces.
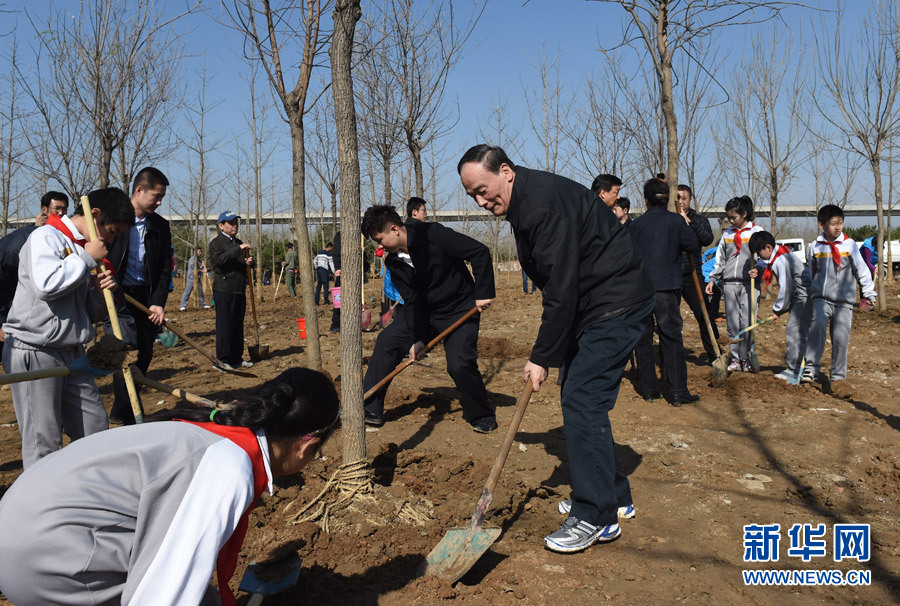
{"x":720,"y":364}
{"x":737,"y":337}
{"x":386,"y":316}
{"x":754,"y":359}
{"x":402,"y":366}
{"x":277,"y":284}
{"x":461,"y":547}
{"x":796,"y":380}
{"x":173,"y":391}
{"x":178,"y":332}
{"x":78,"y":366}
{"x":279,"y":577}
{"x":257,"y":352}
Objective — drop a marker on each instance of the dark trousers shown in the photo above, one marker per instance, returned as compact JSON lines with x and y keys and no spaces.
{"x":714,"y":302}
{"x":593,"y":373}
{"x":146,"y":332}
{"x":689,"y":292}
{"x":460,"y":347}
{"x":525,"y":284}
{"x":322,"y":283}
{"x":666,"y":318}
{"x":230,"y":310}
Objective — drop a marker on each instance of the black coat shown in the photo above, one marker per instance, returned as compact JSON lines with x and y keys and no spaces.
{"x":9,"y":266}
{"x":703,"y":230}
{"x":157,"y":257}
{"x":226,"y":261}
{"x":583,"y":260}
{"x":440,"y":286}
{"x":662,"y":237}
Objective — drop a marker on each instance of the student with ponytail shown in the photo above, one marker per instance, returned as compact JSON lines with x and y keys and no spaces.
{"x":142,"y":514}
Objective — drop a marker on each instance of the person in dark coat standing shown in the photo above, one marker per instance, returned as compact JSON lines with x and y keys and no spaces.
{"x":142,"y":261}
{"x":596,"y":298}
{"x":703,"y":230}
{"x":228,"y":264}
{"x":663,"y":237}
{"x":427,"y":262}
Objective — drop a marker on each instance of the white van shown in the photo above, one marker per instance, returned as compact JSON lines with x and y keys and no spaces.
{"x":797,"y":246}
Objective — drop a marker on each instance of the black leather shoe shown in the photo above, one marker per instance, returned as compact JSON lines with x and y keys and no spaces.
{"x":373,"y":420}
{"x":685,"y":398}
{"x":485,"y":425}
{"x":653,"y":395}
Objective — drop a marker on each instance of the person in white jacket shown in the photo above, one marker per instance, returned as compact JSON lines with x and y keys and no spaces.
{"x":51,"y":318}
{"x":836,"y":267}
{"x":140,"y":515}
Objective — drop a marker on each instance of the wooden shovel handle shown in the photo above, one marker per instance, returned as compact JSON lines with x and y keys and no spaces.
{"x":175,"y":391}
{"x":709,"y":330}
{"x":113,"y":315}
{"x":400,"y":367}
{"x":32,"y":375}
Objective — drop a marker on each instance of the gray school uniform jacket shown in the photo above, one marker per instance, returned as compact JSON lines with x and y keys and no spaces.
{"x":732,"y":265}
{"x":134,"y":515}
{"x":53,"y":307}
{"x":793,"y":282}
{"x":836,"y":282}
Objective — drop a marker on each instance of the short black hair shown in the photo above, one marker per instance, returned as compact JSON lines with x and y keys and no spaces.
{"x":114,"y":205}
{"x":378,"y":219}
{"x":656,"y":192}
{"x":148,"y":178}
{"x":623,"y":203}
{"x":489,"y":156}
{"x":742,"y":205}
{"x":414,"y":203}
{"x":661,"y":176}
{"x":329,"y":245}
{"x":829,"y":212}
{"x":605,"y":183}
{"x":53,"y":195}
{"x":760,"y":240}
{"x":290,"y":245}
{"x":687,"y":188}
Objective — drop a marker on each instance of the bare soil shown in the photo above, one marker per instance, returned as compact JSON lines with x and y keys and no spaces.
{"x":754,"y":451}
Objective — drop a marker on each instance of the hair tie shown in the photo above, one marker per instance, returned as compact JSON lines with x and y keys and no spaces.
{"x":213,"y":414}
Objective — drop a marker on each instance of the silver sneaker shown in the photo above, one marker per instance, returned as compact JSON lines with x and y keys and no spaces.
{"x":577,"y":535}
{"x":624,"y":513}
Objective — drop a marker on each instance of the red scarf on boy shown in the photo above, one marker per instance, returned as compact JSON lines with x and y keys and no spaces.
{"x":835,"y":251}
{"x":59,"y":224}
{"x":767,"y":274}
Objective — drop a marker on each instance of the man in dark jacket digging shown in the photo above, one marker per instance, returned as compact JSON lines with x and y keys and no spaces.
{"x":596,"y":298}
{"x":428,"y":266}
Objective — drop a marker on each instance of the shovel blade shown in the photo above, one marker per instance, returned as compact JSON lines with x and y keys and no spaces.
{"x":258,"y":352}
{"x":720,"y":370}
{"x":276,"y":579}
{"x":454,"y":556}
{"x":366,"y":318}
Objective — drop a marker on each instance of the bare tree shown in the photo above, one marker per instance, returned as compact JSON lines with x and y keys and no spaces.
{"x":281,"y":26}
{"x":663,"y":29}
{"x":549,"y":112}
{"x":120,"y":62}
{"x":322,"y":155}
{"x":422,"y":43}
{"x":766,"y":111}
{"x":11,"y":149}
{"x":866,"y":116}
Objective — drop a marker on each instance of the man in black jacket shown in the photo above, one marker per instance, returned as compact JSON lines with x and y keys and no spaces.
{"x":228,"y":263}
{"x":428,"y":267}
{"x":596,"y":297}
{"x":703,"y":230}
{"x":142,"y":261}
{"x":663,"y":237}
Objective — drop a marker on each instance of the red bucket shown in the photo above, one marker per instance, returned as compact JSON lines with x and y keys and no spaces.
{"x":301,"y":324}
{"x":335,"y":296}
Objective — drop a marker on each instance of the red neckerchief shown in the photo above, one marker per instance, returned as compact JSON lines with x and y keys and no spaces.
{"x":835,"y":252}
{"x":55,"y":221}
{"x":737,"y":239}
{"x":767,"y":274}
{"x":226,"y":563}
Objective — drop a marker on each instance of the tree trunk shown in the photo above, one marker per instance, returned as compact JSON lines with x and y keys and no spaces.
{"x":105,"y":163}
{"x":773,"y":201}
{"x":346,"y":15}
{"x":332,"y":189}
{"x":888,"y":257}
{"x":307,"y":284}
{"x":386,"y":162}
{"x":879,"y":218}
{"x":667,"y":102}
{"x":415,"y":151}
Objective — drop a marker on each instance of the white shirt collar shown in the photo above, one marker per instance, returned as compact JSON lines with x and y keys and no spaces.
{"x":264,"y":447}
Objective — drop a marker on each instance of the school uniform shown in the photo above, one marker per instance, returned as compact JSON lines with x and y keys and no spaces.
{"x":596,"y":297}
{"x":793,"y":288}
{"x":663,"y":237}
{"x":733,"y":263}
{"x":142,"y":261}
{"x":229,"y":268}
{"x":437,"y":289}
{"x":835,"y":269}
{"x":50,"y":320}
{"x":136,"y":515}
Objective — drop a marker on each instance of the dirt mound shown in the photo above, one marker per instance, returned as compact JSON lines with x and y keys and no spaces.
{"x":502,"y":347}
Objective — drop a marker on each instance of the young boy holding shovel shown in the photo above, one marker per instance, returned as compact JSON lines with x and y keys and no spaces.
{"x":51,"y":319}
{"x":437,"y":289}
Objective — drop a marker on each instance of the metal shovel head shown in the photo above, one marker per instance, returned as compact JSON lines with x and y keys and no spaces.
{"x":454,"y":556}
{"x":168,"y":338}
{"x":366,"y":319}
{"x":720,"y":370}
{"x":270,"y":580}
{"x":258,"y":352}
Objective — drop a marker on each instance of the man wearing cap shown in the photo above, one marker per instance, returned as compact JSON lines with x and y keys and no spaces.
{"x":228,"y":264}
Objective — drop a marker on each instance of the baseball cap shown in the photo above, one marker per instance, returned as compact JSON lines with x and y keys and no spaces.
{"x":228,"y":216}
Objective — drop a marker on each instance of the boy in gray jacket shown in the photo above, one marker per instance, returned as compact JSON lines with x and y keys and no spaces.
{"x":51,"y":319}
